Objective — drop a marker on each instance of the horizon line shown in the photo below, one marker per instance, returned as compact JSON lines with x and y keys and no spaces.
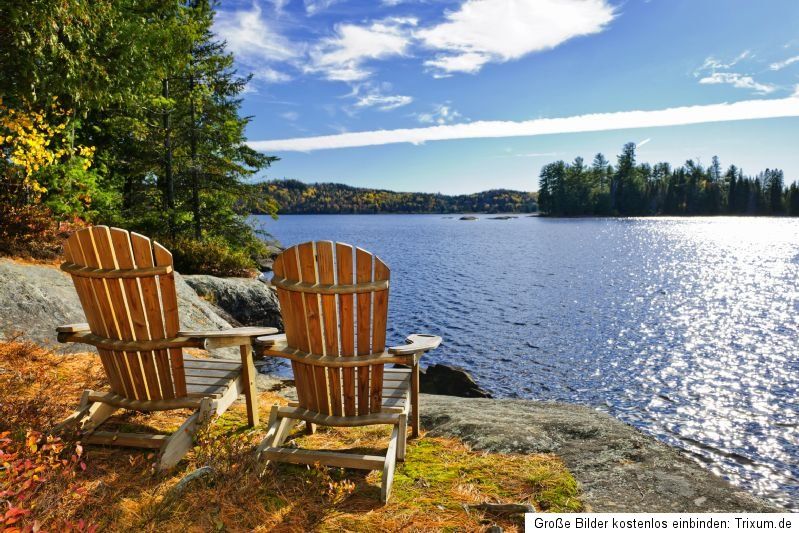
{"x":592,"y":122}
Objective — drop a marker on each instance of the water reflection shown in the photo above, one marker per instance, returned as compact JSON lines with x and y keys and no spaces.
{"x":686,"y":328}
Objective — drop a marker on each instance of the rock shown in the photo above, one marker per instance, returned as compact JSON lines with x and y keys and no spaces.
{"x":450,"y":381}
{"x":249,"y":302}
{"x":620,"y":468}
{"x":35,"y":299}
{"x":469,"y":218}
{"x":504,"y":217}
{"x":265,"y":261}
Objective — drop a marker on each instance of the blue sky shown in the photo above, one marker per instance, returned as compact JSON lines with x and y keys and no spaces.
{"x":467,"y":80}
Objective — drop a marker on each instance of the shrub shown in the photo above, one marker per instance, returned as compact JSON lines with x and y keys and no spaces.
{"x":211,"y":256}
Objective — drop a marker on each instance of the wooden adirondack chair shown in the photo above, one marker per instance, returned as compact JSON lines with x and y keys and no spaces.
{"x":126,"y":286}
{"x":334,"y":302}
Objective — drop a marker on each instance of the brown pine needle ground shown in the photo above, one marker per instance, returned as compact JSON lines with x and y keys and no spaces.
{"x":58,"y":485}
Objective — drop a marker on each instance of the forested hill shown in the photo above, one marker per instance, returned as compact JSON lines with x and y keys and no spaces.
{"x":296,"y":197}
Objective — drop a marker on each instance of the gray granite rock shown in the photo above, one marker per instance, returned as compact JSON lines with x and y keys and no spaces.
{"x":249,"y":302}
{"x":620,"y":468}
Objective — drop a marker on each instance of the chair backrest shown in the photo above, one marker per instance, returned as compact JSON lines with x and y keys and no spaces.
{"x":126,"y":286}
{"x":334,"y":302}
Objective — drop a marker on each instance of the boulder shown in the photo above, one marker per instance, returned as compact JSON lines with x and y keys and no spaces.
{"x":468,"y":218}
{"x":36,"y":298}
{"x":248,"y":302}
{"x":619,"y":468}
{"x":450,"y":381}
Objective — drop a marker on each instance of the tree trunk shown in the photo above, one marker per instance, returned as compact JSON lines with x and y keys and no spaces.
{"x":195,"y":171}
{"x":169,"y":180}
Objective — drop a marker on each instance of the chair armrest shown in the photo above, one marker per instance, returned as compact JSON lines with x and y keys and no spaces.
{"x":269,"y":341}
{"x":228,"y":337}
{"x":73,"y":328}
{"x":228,"y":333}
{"x":416,"y":343}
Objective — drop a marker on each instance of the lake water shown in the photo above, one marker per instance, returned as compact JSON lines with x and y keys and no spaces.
{"x":685,"y":328}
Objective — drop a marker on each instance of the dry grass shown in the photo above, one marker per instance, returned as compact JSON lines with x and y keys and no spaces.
{"x":61,"y":486}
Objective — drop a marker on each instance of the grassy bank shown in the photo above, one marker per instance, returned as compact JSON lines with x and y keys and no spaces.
{"x":61,"y":486}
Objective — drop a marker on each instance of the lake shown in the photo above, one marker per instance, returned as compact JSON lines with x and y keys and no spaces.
{"x":687,"y":328}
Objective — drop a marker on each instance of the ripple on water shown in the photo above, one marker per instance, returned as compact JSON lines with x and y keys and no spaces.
{"x":686,"y":328}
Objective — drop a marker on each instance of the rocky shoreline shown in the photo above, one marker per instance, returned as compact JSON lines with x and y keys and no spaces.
{"x":620,"y":469}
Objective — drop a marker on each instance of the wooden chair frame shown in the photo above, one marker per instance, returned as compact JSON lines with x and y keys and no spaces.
{"x":126,"y":286}
{"x":339,"y":368}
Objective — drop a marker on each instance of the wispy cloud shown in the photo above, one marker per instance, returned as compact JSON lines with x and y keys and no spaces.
{"x":312,"y":7}
{"x":739,"y":81}
{"x":483,"y":31}
{"x":712,"y":64}
{"x":256,"y":43}
{"x":441,"y":114}
{"x":291,"y":116}
{"x":779,"y":65}
{"x":708,"y":74}
{"x":342,"y":57}
{"x":744,"y":110}
{"x":645,"y":141}
{"x":370,"y":95}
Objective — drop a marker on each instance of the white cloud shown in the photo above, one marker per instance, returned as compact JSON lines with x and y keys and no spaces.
{"x":712,"y":64}
{"x":441,"y":114}
{"x":291,"y":116}
{"x":251,"y":37}
{"x":342,"y":56}
{"x":645,"y":141}
{"x":312,"y":7}
{"x":483,"y":31}
{"x":370,"y":95}
{"x":256,"y":43}
{"x":782,"y":64}
{"x":270,"y":75}
{"x":676,"y":116}
{"x":739,"y":81}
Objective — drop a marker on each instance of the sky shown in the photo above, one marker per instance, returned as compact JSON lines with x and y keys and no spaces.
{"x":459,"y":96}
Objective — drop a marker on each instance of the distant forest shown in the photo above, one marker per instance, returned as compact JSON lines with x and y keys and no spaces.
{"x":641,"y":189}
{"x":296,"y":197}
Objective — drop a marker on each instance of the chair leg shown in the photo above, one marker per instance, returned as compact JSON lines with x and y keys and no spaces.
{"x":310,"y":428}
{"x":87,"y":417}
{"x":388,"y":467}
{"x":403,"y":437}
{"x":182,"y":440}
{"x":415,"y":400}
{"x":248,"y":374}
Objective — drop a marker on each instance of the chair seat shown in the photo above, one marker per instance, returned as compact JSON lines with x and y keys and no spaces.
{"x":396,"y":390}
{"x":209,"y":378}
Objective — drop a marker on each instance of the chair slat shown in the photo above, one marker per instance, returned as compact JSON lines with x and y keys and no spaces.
{"x":324,"y":259}
{"x":169,"y":306}
{"x":308,"y":274}
{"x":290,"y":326}
{"x":379,"y":321}
{"x":143,"y":255}
{"x":346,"y":309}
{"x":363,"y":273}
{"x":292,"y":271}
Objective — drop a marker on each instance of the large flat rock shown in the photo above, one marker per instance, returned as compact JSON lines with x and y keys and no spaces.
{"x":620,"y":469}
